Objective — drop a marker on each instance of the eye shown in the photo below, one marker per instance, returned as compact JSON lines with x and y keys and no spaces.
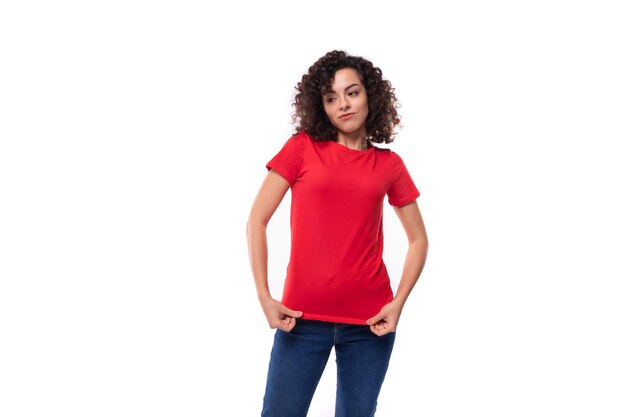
{"x":330,"y":99}
{"x":353,"y":93}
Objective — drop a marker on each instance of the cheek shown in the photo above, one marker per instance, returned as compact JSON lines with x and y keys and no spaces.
{"x":327,"y":110}
{"x":364,"y":104}
{"x":365,"y":110}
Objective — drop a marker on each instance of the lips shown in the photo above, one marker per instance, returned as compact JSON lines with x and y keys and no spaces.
{"x":346,"y":116}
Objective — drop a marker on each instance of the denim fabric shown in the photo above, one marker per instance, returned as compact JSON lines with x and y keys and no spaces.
{"x":299,"y":357}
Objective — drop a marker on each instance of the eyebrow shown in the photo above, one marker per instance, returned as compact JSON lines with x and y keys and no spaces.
{"x":330,"y":90}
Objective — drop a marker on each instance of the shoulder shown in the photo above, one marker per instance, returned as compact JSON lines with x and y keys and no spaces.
{"x":395,"y":157}
{"x":387,"y":154}
{"x":302,"y":137}
{"x":296,"y":142}
{"x":390,"y":160}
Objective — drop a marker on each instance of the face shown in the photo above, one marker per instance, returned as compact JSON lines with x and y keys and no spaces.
{"x":345,"y":102}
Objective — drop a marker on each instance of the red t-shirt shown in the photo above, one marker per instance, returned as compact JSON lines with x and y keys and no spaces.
{"x":336,"y":272}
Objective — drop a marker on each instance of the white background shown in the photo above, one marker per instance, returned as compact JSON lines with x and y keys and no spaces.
{"x":134,"y":136}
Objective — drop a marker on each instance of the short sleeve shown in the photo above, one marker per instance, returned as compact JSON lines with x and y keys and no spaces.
{"x":402,"y":190}
{"x":288,"y":161}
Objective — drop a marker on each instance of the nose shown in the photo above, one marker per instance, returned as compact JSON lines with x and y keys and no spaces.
{"x":344,"y":105}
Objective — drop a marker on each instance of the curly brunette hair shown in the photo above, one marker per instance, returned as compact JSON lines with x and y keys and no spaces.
{"x":310,"y":116}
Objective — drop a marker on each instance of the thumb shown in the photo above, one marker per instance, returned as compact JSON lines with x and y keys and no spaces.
{"x":289,"y":312}
{"x":378,"y":317}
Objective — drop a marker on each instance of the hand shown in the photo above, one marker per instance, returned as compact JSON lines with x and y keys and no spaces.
{"x":386,"y":321}
{"x":278,"y":315}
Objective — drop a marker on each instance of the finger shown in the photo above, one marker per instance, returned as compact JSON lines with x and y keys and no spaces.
{"x":291,"y":323}
{"x":289,"y":312}
{"x":375,"y":330}
{"x":378,"y":317}
{"x":288,"y":324}
{"x":280,"y":322}
{"x":380,"y":331}
{"x":383,"y":332}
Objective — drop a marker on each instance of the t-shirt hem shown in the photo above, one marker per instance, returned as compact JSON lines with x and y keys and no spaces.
{"x":333,"y":319}
{"x":405,"y":201}
{"x":279,"y":169}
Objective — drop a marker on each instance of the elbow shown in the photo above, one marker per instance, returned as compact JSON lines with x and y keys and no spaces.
{"x":424,"y":241}
{"x":420,"y":241}
{"x":254,"y":223}
{"x":424,"y":245}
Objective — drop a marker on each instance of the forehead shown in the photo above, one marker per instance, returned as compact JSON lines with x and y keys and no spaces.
{"x":346,"y":76}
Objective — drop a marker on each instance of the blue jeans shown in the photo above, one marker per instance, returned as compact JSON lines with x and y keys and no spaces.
{"x":298,"y":359}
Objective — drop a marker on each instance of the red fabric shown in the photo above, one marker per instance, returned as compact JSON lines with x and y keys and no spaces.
{"x":336,"y":272}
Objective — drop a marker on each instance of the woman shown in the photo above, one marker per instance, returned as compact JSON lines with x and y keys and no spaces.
{"x":337,"y":291}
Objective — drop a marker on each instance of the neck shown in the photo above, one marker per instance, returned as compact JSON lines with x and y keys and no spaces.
{"x":354,"y":140}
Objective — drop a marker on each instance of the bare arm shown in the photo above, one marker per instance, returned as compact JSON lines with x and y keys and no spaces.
{"x":268,"y":198}
{"x":411,"y":219}
{"x":387,"y":319}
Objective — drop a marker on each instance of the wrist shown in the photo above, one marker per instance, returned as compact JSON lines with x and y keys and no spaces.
{"x":264,"y":297}
{"x":399,"y":300}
